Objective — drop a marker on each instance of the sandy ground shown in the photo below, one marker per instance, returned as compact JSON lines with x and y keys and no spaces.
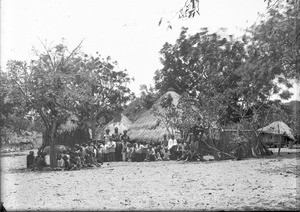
{"x":253,"y":184}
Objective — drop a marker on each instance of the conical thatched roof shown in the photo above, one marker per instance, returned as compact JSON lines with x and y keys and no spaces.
{"x":120,"y":121}
{"x":278,"y":128}
{"x":148,"y":126}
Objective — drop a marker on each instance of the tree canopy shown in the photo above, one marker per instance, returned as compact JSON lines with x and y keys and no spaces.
{"x":242,"y":73}
{"x":59,"y":83}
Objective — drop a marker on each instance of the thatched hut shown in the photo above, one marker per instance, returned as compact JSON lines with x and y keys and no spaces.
{"x":120,"y":121}
{"x":275,"y":133}
{"x":149,"y":127}
{"x":69,"y":133}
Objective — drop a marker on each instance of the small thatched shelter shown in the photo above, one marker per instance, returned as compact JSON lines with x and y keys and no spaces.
{"x":120,"y":121}
{"x":275,"y":133}
{"x":69,"y":133}
{"x":149,"y":127}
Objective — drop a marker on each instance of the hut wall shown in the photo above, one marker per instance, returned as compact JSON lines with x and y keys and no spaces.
{"x":272,"y":139}
{"x":70,"y":138}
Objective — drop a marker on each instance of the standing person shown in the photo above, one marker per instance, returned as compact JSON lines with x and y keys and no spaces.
{"x":106,"y":136}
{"x":130,"y":151}
{"x":106,"y":139}
{"x":116,"y":136}
{"x":30,"y":160}
{"x":125,"y":141}
{"x":111,"y":146}
{"x":118,"y":150}
{"x":124,"y":151}
{"x":179,"y":149}
{"x":100,"y":153}
{"x":172,"y":146}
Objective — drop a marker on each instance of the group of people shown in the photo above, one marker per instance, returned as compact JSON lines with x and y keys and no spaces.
{"x":118,"y":147}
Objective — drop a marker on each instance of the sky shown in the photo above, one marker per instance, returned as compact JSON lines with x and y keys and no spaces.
{"x":125,"y":30}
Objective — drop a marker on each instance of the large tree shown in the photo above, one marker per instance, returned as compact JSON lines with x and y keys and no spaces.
{"x":100,"y":89}
{"x":43,"y":86}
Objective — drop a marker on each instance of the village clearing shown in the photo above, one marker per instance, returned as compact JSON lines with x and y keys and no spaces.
{"x":270,"y":183}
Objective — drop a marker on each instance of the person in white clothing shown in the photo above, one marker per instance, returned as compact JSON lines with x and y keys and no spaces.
{"x":172,"y":146}
{"x":172,"y":141}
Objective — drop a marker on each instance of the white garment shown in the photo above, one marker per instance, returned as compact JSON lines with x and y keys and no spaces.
{"x":171,"y":143}
{"x":61,"y":163}
{"x":47,"y":159}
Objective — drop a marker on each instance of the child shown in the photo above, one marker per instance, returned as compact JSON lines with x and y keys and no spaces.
{"x":60,"y":163}
{"x":100,"y":153}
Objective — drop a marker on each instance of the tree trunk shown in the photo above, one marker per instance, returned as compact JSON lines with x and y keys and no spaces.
{"x":93,"y":128}
{"x":214,"y":152}
{"x":53,"y":161}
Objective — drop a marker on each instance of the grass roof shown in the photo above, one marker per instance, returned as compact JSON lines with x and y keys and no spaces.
{"x":120,"y":121}
{"x":148,"y":126}
{"x":278,"y":128}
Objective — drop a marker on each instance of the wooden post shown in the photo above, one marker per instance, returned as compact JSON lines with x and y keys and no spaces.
{"x":279,"y":141}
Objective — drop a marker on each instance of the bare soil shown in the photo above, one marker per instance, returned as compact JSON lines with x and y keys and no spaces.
{"x":270,"y":183}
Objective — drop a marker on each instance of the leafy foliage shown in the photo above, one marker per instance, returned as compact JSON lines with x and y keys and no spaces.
{"x":59,"y":83}
{"x":100,"y":90}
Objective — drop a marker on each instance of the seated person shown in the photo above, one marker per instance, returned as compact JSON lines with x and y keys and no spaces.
{"x":75,"y":161}
{"x":166,"y":154}
{"x":88,"y":158}
{"x":179,"y":149}
{"x":151,"y":153}
{"x":41,"y":164}
{"x":159,"y":150}
{"x":138,"y":152}
{"x":144,"y":148}
{"x":185,"y":151}
{"x":60,"y":163}
{"x":172,"y":146}
{"x":158,"y":156}
{"x":68,"y":165}
{"x":30,"y":160}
